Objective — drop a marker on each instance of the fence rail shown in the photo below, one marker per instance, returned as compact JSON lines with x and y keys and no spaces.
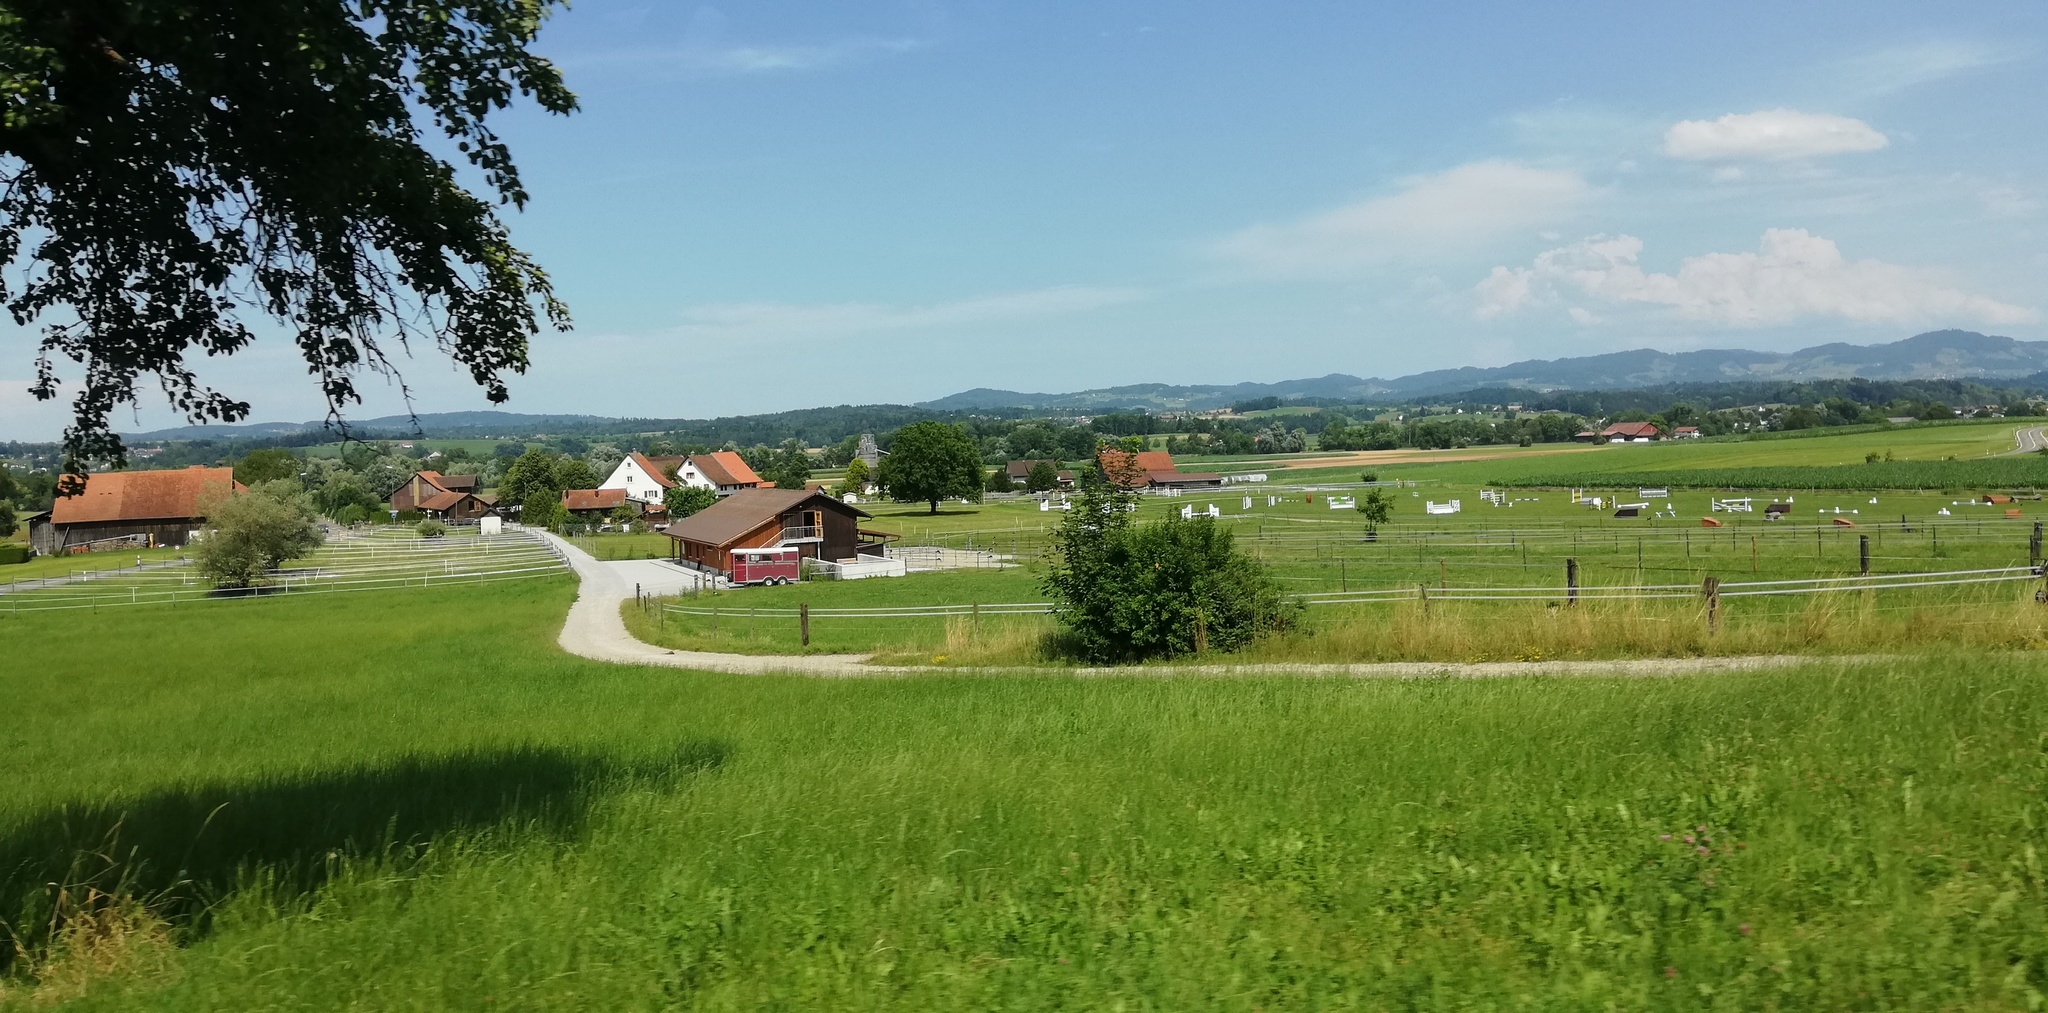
{"x":1616,"y":592}
{"x":377,"y":561}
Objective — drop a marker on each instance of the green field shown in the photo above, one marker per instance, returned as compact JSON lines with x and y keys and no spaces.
{"x":434,"y":809}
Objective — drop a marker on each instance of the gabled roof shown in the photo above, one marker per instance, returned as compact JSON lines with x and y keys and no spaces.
{"x":593,"y":499}
{"x":725,"y":467}
{"x":1630,"y":429}
{"x":1022,"y":469}
{"x":657,"y":467}
{"x":441,"y":502}
{"x":744,"y":512}
{"x":445,"y":483}
{"x":143,"y":495}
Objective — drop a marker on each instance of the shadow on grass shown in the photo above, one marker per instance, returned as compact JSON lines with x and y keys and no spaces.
{"x":181,"y":852}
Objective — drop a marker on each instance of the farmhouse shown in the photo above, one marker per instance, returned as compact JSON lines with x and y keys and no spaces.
{"x":723,"y":472}
{"x":815,"y":524}
{"x":158,"y":508}
{"x":592,"y":504}
{"x":1018,"y":471}
{"x":425,"y":486}
{"x":1631,"y":432}
{"x":1152,"y":469}
{"x":644,"y":479}
{"x":1686,"y":433}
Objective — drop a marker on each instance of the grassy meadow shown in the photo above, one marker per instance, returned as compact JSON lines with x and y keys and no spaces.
{"x":411,"y":800}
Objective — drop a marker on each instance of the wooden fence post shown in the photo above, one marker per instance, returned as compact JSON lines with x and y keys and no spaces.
{"x":1711,"y":587}
{"x":1752,"y":553}
{"x":803,"y":619}
{"x":1423,"y":590}
{"x":1863,"y":550}
{"x":1571,"y":581}
{"x":2034,"y":545}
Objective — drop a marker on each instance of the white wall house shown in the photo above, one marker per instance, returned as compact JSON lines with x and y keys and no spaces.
{"x":722,"y":471}
{"x":642,"y":479}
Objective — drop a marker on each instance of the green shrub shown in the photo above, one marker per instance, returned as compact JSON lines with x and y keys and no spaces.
{"x":12,"y":552}
{"x":431,"y":528}
{"x":1128,"y":592}
{"x":410,"y":517}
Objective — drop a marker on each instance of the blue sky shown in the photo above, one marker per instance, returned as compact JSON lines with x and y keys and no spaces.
{"x":780,"y":205}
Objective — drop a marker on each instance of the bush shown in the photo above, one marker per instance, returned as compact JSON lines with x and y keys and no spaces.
{"x":431,"y":528}
{"x":1129,"y":592}
{"x":12,"y":553}
{"x":410,"y":517}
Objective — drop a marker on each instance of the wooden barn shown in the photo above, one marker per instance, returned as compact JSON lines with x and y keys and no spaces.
{"x":432,"y":487}
{"x":817,"y":525}
{"x":160,"y":509}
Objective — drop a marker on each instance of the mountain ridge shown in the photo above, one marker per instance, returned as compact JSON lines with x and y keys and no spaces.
{"x":1945,"y":354}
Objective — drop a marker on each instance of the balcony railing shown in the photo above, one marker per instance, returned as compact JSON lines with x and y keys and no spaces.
{"x":803,"y":533}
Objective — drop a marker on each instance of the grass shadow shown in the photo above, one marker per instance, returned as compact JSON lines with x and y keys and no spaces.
{"x":181,"y":852}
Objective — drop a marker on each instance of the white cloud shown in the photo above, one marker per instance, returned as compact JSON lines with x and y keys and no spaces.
{"x":1771,"y":134}
{"x":755,"y":322}
{"x":1447,"y":212}
{"x":1793,"y":275}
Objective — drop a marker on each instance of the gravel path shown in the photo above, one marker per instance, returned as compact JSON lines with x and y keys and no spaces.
{"x":596,"y":631}
{"x":2031,"y":439}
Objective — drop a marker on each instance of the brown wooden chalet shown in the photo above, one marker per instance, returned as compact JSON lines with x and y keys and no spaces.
{"x":160,"y":509}
{"x":817,"y":525}
{"x":438,"y":495}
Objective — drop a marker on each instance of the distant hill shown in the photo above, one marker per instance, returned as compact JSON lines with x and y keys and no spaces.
{"x":441,"y":424}
{"x":1934,"y":355}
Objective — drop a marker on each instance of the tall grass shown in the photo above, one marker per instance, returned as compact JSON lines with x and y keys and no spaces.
{"x":560,"y":835}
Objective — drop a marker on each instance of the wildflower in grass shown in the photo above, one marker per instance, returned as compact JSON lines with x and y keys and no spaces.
{"x":1671,"y":972}
{"x":1663,"y":837}
{"x":1743,"y":928}
{"x":1702,"y":849}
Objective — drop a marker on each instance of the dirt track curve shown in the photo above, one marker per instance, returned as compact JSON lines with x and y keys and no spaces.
{"x":595,"y":630}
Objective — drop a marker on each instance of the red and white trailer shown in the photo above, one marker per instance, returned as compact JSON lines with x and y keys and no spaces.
{"x":776,"y":564}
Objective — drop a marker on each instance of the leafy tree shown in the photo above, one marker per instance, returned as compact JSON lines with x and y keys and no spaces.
{"x":789,"y":467}
{"x":1173,"y":587}
{"x":998,"y":480}
{"x":684,"y":500}
{"x":1042,"y":477}
{"x":269,"y":465}
{"x":543,"y":512}
{"x":11,"y":496}
{"x":249,"y":534}
{"x":175,"y":167}
{"x":624,"y":514}
{"x":531,"y":479}
{"x":930,"y":461}
{"x":856,"y":475}
{"x":342,"y":491}
{"x":573,"y":473}
{"x":1376,"y":508}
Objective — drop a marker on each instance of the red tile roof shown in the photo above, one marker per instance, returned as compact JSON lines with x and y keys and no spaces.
{"x":1630,"y":429}
{"x":658,"y":467}
{"x":725,"y":467}
{"x":143,"y":495}
{"x":593,"y":499}
{"x":1146,"y":467}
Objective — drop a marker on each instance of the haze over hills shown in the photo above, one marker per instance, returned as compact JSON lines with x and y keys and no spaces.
{"x":1934,"y":355}
{"x":1949,"y":354}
